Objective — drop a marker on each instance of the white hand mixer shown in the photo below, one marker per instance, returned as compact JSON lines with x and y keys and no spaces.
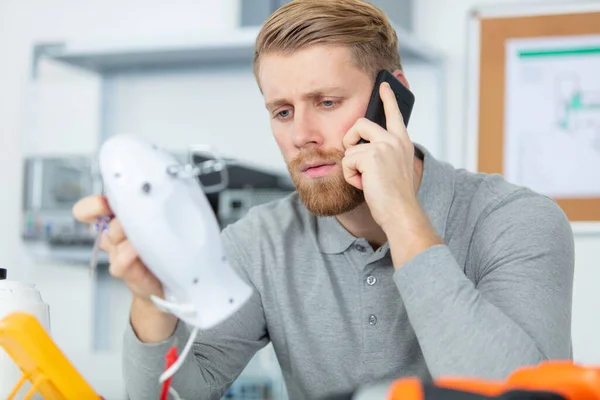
{"x":167,"y":217}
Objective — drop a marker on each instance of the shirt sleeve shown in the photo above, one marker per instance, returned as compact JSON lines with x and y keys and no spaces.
{"x":218,"y":355}
{"x":518,"y":310}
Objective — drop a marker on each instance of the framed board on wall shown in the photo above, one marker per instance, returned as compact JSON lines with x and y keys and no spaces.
{"x":534,"y":101}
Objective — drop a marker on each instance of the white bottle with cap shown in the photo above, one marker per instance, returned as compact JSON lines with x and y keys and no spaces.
{"x":18,"y":296}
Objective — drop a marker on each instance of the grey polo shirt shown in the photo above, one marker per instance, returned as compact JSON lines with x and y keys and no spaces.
{"x":496,"y":296}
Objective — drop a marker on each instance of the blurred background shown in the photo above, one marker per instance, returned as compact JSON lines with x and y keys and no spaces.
{"x":179,"y":73}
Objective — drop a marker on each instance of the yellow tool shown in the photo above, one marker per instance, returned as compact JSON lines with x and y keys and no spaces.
{"x":43,"y":364}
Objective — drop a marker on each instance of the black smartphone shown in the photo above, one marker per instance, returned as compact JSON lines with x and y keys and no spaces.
{"x":404,"y":97}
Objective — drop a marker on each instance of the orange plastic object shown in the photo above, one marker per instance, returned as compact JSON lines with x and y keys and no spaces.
{"x":564,"y":378}
{"x":42,"y":362}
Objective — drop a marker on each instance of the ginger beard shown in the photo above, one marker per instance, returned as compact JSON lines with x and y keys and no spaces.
{"x":328,"y":195}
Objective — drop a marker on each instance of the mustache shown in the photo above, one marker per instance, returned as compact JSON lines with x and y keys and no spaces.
{"x":315,"y":155}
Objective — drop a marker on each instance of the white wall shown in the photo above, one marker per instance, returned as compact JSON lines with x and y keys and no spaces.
{"x":68,"y":289}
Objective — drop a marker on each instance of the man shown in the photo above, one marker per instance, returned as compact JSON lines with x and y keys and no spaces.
{"x":383,"y":264}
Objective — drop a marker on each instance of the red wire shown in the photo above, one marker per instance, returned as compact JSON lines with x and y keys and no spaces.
{"x":171,"y":357}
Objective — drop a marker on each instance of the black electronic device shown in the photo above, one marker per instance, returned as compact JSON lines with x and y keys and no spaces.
{"x":404,"y":97}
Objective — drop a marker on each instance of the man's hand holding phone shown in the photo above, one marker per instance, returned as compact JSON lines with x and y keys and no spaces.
{"x":384,"y":168}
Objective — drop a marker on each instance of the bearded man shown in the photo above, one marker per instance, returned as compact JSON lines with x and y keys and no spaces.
{"x":385,"y":262}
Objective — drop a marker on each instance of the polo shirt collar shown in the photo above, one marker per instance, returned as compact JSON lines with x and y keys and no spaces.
{"x":435,"y":195}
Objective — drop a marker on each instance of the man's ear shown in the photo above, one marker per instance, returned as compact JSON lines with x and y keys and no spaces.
{"x":401,"y":77}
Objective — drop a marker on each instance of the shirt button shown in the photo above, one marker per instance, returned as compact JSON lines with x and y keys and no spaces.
{"x":372,"y":319}
{"x":371,"y":280}
{"x":360,"y":248}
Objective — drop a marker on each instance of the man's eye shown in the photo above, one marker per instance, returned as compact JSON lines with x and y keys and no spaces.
{"x":283,"y":113}
{"x":328,"y":103}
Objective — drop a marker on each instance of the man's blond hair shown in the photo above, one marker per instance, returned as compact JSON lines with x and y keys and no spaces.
{"x":356,"y":24}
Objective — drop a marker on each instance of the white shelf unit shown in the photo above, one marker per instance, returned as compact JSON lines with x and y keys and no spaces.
{"x":218,"y":49}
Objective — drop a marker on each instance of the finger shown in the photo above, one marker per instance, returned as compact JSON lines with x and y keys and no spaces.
{"x":122,"y":258}
{"x":393,"y":116}
{"x":351,"y":170}
{"x":90,"y":208}
{"x":363,"y":129}
{"x":115,"y":231}
{"x":105,"y":243}
{"x":138,"y":276}
{"x":131,"y":269}
{"x":354,"y":150}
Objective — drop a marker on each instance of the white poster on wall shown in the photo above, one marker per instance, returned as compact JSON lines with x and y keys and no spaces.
{"x":552,"y":111}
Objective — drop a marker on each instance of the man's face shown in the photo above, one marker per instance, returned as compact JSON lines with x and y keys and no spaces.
{"x":313,"y":97}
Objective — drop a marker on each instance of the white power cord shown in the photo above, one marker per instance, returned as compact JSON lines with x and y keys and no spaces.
{"x":184,"y":310}
{"x":180,"y":360}
{"x":174,"y":394}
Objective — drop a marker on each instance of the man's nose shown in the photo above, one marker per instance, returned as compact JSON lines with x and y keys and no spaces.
{"x":306,"y":131}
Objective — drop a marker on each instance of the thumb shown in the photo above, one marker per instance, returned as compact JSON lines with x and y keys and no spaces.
{"x":90,"y":208}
